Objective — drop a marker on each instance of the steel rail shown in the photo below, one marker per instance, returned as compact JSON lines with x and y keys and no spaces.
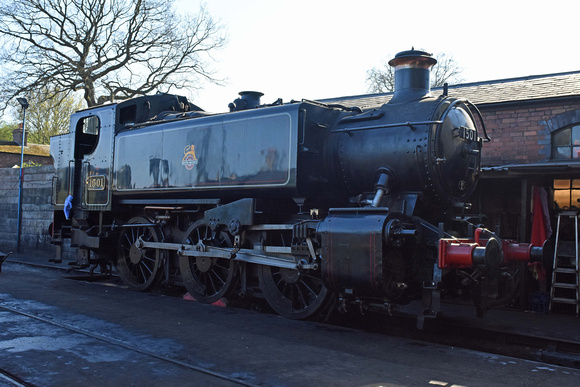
{"x":8,"y":377}
{"x":113,"y":341}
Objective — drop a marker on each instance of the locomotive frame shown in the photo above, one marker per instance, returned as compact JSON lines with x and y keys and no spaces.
{"x":309,"y":205}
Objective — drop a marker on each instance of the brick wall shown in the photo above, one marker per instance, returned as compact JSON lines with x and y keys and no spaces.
{"x":36,"y":209}
{"x":521,"y":134}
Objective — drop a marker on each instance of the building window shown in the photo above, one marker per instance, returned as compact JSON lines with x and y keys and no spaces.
{"x":567,"y":193}
{"x":566,"y":143}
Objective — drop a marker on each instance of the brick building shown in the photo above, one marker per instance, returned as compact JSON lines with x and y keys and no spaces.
{"x":534,"y":123}
{"x":522,"y":113}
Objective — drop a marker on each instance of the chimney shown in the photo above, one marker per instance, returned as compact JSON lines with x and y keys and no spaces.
{"x":412,"y":73}
{"x":17,"y":136}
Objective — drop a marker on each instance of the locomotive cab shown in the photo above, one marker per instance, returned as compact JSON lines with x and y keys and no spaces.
{"x":82,"y":164}
{"x":82,"y":153}
{"x":82,"y":186}
{"x":85,"y":137}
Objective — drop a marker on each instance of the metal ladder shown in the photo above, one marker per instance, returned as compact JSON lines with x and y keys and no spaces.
{"x":565,"y":268}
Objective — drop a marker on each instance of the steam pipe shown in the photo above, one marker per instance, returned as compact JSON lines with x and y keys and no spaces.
{"x":382,"y":187}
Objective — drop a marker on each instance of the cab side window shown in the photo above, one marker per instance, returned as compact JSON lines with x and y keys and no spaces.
{"x":86,"y":136}
{"x":91,"y":125}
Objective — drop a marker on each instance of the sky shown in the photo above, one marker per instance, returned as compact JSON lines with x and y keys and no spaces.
{"x":315,"y":49}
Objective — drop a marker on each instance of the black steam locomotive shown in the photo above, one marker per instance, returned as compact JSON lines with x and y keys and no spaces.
{"x":298,"y":203}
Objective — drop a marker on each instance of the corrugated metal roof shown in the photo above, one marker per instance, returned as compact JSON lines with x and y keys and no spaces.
{"x":488,"y":92}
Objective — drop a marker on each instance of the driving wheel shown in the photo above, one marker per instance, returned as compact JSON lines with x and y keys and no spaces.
{"x":139,"y":268}
{"x":292,"y":293}
{"x":207,"y":279}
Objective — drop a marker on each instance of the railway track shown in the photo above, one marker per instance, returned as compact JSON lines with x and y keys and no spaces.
{"x":443,"y":330}
{"x":13,"y":380}
{"x":7,"y":379}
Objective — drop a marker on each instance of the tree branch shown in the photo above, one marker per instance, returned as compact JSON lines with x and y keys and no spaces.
{"x":117,"y":48}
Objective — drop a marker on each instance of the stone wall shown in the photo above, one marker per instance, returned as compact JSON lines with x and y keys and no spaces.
{"x":36,"y":209}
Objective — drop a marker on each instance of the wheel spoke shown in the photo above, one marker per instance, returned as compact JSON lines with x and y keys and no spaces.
{"x":148,"y":258}
{"x":216,"y":275}
{"x":279,"y":282}
{"x":222,"y":267}
{"x":211,"y":281}
{"x":304,"y":303}
{"x":144,"y":265}
{"x":307,"y":287}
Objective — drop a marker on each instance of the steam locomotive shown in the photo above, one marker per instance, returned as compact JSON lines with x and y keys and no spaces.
{"x":312,"y":206}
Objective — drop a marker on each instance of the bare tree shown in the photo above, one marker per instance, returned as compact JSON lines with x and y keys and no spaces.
{"x":109,"y":49}
{"x":447,"y":70}
{"x":382,"y":79}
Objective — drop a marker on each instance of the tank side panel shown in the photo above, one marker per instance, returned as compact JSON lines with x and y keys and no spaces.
{"x":237,"y":151}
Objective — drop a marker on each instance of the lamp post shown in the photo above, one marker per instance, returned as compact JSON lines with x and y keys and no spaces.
{"x":24,"y":103}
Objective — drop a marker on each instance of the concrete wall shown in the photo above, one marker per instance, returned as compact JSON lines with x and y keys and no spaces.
{"x":36,"y":209}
